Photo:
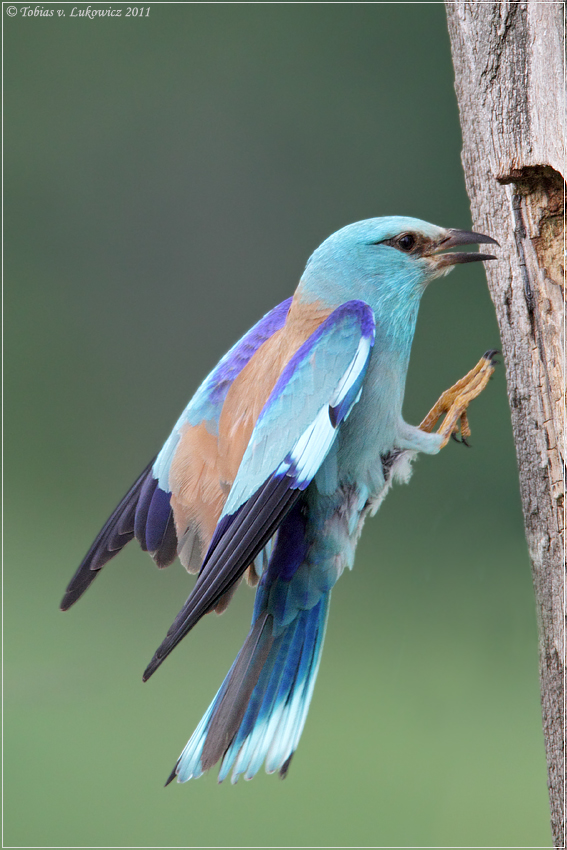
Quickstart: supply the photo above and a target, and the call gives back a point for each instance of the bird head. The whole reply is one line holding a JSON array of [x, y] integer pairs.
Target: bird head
[[386, 262]]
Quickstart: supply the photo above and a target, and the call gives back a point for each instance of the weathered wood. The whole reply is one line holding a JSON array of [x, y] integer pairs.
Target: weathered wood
[[509, 69]]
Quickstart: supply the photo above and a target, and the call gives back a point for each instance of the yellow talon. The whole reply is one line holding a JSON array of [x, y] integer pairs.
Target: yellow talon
[[454, 401]]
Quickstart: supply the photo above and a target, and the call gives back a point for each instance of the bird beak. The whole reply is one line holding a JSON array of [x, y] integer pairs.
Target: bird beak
[[460, 237]]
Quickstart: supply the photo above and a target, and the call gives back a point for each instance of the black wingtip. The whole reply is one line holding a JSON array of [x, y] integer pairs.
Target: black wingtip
[[151, 668], [80, 582], [117, 531], [172, 775], [72, 596]]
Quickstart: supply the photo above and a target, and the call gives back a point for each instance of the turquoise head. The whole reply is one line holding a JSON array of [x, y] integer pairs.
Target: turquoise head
[[386, 262]]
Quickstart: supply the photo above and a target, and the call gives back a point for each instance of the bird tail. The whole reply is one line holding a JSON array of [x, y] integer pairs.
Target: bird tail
[[260, 710]]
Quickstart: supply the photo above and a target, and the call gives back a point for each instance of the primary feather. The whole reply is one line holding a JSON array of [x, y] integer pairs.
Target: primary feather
[[286, 447]]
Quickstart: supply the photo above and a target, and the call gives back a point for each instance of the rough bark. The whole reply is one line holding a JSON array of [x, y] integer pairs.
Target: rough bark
[[509, 69]]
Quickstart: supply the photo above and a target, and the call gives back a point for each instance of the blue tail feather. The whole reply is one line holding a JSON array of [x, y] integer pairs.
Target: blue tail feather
[[283, 668], [283, 681]]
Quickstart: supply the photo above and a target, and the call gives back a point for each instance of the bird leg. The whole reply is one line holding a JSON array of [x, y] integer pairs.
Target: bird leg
[[454, 401]]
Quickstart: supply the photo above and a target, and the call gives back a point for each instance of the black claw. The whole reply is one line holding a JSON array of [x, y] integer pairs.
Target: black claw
[[462, 441], [489, 355]]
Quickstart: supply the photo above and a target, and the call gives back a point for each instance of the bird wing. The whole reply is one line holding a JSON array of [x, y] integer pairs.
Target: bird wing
[[189, 466], [291, 438], [148, 509]]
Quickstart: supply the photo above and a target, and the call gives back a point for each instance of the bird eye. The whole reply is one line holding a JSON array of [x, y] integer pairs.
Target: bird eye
[[406, 241]]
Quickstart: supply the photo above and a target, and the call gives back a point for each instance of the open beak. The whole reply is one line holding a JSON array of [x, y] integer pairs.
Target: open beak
[[460, 237]]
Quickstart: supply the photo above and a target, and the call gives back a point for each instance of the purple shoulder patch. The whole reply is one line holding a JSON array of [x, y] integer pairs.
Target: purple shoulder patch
[[357, 310], [365, 316], [239, 355]]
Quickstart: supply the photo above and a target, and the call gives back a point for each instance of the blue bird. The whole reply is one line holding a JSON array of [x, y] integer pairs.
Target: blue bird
[[272, 468]]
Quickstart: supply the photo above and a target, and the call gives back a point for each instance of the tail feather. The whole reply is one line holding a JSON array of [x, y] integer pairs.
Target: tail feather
[[288, 732], [254, 735], [260, 710], [233, 702]]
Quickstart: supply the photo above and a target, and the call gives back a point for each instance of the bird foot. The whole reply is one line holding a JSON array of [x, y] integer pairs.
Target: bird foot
[[456, 399]]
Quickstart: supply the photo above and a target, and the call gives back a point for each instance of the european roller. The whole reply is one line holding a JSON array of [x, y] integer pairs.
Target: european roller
[[272, 468]]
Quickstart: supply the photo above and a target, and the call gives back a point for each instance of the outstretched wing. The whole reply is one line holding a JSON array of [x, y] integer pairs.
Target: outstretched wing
[[149, 511], [291, 438]]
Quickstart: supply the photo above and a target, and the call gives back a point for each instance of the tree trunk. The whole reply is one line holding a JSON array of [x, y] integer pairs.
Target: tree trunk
[[509, 69]]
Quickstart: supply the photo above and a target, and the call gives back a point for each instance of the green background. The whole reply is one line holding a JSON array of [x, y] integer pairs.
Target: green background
[[166, 179]]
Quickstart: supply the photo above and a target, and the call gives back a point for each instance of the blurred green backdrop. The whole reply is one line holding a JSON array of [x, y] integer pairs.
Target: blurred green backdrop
[[166, 179]]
